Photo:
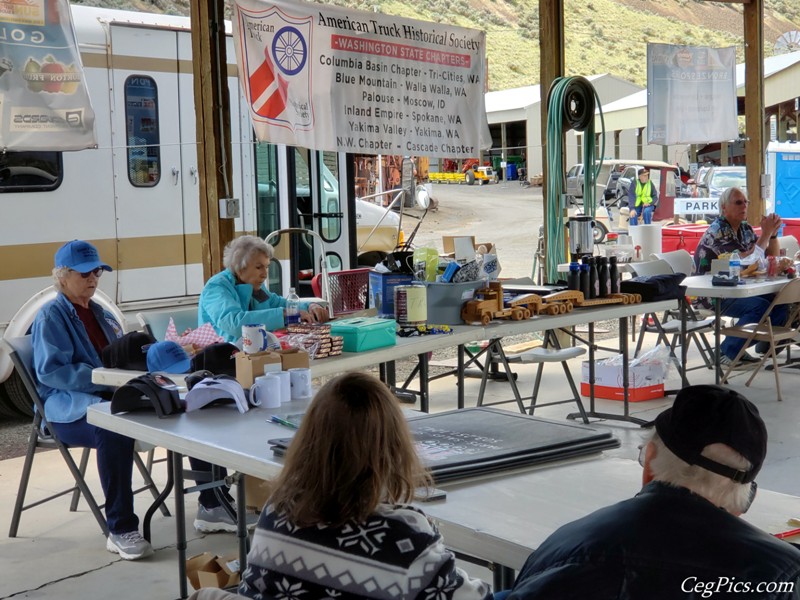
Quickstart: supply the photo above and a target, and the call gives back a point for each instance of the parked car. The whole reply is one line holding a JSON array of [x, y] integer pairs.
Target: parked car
[[722, 178], [574, 188], [698, 181]]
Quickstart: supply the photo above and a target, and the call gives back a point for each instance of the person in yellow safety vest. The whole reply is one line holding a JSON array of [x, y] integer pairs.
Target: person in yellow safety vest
[[642, 198]]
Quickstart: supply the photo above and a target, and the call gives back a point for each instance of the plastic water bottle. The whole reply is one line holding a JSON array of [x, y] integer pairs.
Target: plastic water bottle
[[734, 264], [292, 307]]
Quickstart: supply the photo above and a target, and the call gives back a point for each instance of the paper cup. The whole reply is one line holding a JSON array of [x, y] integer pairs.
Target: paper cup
[[301, 383], [266, 391]]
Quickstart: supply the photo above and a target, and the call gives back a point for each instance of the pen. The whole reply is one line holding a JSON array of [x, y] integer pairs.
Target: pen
[[786, 534], [284, 422]]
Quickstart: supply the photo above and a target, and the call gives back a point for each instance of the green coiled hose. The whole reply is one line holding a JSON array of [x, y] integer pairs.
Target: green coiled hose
[[571, 105]]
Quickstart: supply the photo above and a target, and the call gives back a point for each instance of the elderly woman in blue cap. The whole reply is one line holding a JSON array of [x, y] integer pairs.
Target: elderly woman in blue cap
[[68, 337]]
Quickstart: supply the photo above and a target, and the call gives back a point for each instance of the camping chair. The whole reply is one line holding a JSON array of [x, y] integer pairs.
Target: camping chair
[[42, 437], [155, 322], [778, 336]]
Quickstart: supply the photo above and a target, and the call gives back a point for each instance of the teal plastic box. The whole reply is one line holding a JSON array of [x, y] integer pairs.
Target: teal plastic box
[[381, 291], [365, 333]]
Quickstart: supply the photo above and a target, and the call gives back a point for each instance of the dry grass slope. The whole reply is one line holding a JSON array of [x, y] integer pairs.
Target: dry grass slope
[[602, 36]]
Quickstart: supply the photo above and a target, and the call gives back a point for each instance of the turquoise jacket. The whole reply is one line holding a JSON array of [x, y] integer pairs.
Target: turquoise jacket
[[63, 359], [228, 305]]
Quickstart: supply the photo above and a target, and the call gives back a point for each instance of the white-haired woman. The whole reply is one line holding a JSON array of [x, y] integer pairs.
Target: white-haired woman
[[68, 337], [238, 295]]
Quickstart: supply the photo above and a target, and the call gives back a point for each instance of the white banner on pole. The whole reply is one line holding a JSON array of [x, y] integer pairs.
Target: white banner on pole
[[691, 94], [330, 78], [44, 104]]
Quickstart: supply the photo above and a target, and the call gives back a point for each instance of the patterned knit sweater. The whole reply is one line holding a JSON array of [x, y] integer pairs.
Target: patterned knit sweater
[[397, 553]]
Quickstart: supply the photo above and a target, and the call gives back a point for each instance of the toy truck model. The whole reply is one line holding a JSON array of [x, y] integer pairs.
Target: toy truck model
[[488, 305]]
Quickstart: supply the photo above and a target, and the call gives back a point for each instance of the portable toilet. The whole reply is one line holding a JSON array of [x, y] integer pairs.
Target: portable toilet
[[783, 167]]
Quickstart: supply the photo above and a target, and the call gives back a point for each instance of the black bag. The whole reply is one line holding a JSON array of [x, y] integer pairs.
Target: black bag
[[148, 392], [656, 287], [128, 352]]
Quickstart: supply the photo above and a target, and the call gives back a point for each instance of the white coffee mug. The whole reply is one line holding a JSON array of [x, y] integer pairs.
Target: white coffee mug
[[286, 385], [254, 338], [273, 367], [266, 391], [301, 383]]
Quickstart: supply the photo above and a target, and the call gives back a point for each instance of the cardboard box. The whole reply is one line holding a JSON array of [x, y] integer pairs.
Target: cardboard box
[[250, 366], [381, 291], [645, 382], [256, 491], [294, 358], [449, 244], [208, 570]]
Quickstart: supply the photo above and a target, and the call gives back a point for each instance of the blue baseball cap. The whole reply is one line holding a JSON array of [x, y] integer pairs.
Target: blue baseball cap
[[167, 357], [79, 256]]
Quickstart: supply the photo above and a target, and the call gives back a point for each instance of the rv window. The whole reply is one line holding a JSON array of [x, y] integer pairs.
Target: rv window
[[331, 227], [141, 127], [30, 171]]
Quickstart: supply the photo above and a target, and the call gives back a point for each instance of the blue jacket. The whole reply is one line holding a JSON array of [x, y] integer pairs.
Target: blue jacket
[[658, 545], [228, 305], [63, 359]]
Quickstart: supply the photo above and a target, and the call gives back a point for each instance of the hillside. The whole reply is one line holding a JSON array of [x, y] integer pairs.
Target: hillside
[[602, 36]]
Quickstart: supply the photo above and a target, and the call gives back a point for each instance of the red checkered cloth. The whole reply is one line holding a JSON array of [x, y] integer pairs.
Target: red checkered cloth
[[199, 338]]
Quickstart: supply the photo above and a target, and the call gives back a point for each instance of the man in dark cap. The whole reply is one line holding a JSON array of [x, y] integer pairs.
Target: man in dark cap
[[642, 198], [681, 535]]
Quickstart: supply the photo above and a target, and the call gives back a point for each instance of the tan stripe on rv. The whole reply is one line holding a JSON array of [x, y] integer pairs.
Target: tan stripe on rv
[[143, 65], [36, 260]]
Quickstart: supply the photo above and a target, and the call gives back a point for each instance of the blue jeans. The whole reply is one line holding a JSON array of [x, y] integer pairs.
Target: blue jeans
[[749, 310], [646, 213], [114, 465]]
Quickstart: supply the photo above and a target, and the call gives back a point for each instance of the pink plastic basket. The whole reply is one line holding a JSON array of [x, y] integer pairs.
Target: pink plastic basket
[[349, 290]]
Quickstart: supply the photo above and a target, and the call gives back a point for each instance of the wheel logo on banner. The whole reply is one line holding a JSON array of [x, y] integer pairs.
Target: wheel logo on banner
[[289, 50]]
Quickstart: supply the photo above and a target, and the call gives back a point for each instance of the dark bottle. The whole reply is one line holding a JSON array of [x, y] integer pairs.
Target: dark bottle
[[613, 275], [594, 282], [585, 287], [602, 276], [574, 280]]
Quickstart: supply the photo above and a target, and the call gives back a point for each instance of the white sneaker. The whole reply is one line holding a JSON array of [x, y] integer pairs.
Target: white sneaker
[[130, 545]]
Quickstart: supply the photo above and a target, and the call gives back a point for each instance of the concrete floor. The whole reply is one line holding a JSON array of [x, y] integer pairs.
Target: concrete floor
[[59, 554]]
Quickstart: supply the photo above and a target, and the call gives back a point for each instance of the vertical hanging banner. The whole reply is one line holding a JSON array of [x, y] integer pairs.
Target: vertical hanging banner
[[691, 94], [44, 104], [330, 78]]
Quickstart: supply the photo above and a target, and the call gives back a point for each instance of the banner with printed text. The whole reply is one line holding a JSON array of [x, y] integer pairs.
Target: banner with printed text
[[44, 104], [330, 78], [691, 94]]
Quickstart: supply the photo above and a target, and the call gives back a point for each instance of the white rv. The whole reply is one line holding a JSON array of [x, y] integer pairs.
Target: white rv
[[136, 195]]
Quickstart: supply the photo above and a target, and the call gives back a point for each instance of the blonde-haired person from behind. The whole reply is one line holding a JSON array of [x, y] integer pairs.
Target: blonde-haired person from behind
[[339, 523]]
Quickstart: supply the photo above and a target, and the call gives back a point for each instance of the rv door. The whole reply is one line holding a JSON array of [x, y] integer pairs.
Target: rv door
[[146, 140]]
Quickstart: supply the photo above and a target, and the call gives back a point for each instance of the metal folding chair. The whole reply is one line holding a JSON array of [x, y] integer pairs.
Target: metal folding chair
[[42, 437], [778, 336]]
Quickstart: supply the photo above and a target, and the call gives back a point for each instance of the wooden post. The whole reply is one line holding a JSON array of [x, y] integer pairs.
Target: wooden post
[[213, 116], [551, 59], [754, 105]]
